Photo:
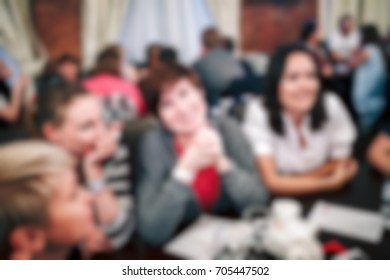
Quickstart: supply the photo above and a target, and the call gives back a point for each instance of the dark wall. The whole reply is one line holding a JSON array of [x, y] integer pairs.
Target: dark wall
[[267, 23], [264, 23], [58, 25]]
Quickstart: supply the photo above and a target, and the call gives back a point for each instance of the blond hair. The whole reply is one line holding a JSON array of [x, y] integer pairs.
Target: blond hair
[[24, 190]]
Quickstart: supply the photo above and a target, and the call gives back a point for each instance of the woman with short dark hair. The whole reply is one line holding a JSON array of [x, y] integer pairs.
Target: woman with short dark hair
[[190, 164], [302, 136]]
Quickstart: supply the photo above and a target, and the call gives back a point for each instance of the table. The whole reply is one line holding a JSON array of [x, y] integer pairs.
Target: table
[[363, 192]]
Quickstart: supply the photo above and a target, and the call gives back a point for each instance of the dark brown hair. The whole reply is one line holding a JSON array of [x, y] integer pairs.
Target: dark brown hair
[[49, 106], [271, 95], [109, 60], [166, 76], [211, 38]]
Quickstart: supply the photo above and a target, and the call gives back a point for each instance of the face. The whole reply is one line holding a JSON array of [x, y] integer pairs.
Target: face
[[299, 84], [70, 211], [81, 128], [182, 108], [69, 71], [346, 25]]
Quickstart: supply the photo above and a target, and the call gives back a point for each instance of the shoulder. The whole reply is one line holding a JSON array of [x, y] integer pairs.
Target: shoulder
[[153, 138], [332, 103], [256, 110], [227, 125]]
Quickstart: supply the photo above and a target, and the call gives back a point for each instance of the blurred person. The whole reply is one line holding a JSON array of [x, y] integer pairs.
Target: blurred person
[[122, 98], [44, 212], [344, 43], [153, 61], [10, 99], [68, 67], [311, 37], [302, 137], [228, 44], [379, 150], [168, 56], [9, 60], [73, 119], [64, 69], [190, 164], [369, 81], [217, 68]]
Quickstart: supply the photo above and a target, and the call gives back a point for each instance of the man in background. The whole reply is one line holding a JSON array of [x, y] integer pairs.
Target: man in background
[[217, 68], [344, 43]]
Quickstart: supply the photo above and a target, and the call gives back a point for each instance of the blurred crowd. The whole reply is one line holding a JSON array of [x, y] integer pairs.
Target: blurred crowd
[[99, 156]]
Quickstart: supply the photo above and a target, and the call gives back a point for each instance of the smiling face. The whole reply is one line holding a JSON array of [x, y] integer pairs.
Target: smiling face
[[299, 85], [182, 107]]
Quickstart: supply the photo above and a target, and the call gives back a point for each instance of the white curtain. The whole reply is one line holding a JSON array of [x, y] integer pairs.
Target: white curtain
[[102, 21], [377, 12], [178, 23], [18, 38], [364, 11], [227, 15]]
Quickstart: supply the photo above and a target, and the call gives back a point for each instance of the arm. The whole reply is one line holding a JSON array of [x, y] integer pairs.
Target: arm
[[325, 169], [161, 198], [11, 111], [359, 57], [379, 153], [294, 184], [242, 182]]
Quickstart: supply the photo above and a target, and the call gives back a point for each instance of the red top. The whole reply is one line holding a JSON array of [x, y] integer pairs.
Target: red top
[[104, 85], [206, 184]]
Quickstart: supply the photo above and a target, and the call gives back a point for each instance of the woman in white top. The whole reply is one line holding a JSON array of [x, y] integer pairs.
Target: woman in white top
[[301, 136]]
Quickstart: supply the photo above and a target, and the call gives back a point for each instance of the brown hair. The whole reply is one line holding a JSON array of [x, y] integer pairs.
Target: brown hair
[[49, 106], [24, 190], [211, 38], [165, 77], [108, 61]]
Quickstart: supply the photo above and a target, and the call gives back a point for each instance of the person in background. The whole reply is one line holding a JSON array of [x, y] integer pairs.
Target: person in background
[[379, 151], [369, 81], [190, 164], [302, 137], [44, 212], [344, 43], [9, 60], [167, 56], [11, 100], [73, 119], [68, 68], [153, 61], [122, 98], [311, 38], [217, 68], [64, 69]]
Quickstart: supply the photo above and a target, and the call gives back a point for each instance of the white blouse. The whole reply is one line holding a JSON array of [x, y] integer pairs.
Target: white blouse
[[333, 140]]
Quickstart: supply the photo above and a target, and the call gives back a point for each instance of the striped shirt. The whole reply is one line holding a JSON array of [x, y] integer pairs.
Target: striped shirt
[[117, 172]]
